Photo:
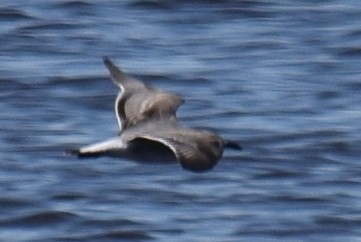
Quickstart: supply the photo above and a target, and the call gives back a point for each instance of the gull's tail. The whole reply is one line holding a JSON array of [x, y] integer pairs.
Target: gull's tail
[[231, 144]]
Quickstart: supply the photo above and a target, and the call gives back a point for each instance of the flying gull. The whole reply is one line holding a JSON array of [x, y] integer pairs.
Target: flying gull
[[150, 131]]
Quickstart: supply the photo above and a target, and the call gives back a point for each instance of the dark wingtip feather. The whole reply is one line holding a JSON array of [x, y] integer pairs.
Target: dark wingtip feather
[[106, 60], [72, 152], [78, 154]]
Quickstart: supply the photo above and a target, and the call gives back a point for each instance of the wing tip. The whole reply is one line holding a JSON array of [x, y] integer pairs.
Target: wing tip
[[107, 60], [79, 154], [72, 152], [116, 74]]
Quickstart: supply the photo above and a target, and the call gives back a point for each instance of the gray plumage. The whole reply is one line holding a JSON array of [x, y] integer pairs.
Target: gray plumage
[[150, 131]]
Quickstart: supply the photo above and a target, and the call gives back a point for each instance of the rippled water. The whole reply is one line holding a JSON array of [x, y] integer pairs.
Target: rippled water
[[281, 77]]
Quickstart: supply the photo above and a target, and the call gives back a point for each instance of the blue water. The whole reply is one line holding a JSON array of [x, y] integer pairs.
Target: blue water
[[281, 77]]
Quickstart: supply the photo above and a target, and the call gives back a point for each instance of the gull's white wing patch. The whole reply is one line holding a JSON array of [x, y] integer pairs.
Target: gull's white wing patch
[[102, 148], [119, 116]]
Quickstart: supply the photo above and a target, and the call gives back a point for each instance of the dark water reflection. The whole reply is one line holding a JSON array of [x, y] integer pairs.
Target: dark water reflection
[[283, 78]]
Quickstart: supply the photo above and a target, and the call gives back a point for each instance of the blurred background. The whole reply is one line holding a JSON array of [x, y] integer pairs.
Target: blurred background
[[281, 77]]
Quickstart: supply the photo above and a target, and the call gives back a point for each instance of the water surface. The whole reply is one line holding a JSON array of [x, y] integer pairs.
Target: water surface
[[281, 78]]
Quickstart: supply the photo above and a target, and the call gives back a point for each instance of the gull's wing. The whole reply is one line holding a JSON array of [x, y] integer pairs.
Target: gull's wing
[[137, 102], [195, 150], [146, 105], [122, 80]]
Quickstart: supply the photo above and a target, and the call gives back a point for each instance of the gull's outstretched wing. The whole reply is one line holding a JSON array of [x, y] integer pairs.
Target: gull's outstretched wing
[[147, 105], [137, 102]]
